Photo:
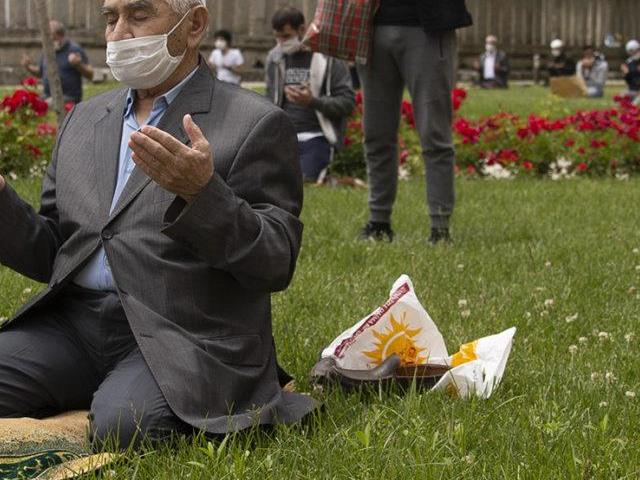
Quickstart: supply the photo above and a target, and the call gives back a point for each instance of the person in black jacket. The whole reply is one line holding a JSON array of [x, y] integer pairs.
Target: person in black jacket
[[493, 66], [631, 69], [414, 46], [560, 65]]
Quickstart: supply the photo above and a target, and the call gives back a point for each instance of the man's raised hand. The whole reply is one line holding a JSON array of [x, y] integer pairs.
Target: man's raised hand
[[174, 166]]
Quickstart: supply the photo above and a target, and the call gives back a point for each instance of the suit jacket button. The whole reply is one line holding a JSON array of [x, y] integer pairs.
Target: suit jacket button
[[107, 235]]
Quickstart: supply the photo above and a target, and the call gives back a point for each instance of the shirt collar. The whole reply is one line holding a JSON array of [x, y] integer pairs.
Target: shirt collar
[[165, 99]]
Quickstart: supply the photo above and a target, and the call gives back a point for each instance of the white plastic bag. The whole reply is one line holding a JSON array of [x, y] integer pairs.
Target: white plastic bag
[[403, 327], [478, 367]]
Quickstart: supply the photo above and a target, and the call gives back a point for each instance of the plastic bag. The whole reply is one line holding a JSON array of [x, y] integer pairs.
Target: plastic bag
[[403, 328], [343, 29]]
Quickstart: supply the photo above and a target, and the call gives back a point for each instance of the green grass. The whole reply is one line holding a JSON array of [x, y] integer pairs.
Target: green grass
[[523, 100], [546, 419]]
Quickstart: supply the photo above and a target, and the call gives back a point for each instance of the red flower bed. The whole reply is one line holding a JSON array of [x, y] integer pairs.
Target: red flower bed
[[586, 142], [26, 135], [598, 142]]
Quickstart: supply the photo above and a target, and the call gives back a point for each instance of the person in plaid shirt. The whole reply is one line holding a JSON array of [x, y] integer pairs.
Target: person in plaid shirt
[[414, 45]]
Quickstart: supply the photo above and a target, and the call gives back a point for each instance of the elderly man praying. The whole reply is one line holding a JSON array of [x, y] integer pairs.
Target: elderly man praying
[[169, 214]]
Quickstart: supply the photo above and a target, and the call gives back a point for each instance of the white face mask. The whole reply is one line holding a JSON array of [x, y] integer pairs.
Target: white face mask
[[291, 45], [221, 44], [145, 62]]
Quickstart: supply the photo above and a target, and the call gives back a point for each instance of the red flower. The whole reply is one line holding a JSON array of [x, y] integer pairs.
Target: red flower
[[569, 143], [407, 113], [347, 141], [44, 129], [527, 165], [40, 107], [582, 167], [29, 82], [35, 151], [598, 143], [69, 106], [471, 169], [359, 97], [508, 156], [458, 96], [404, 155]]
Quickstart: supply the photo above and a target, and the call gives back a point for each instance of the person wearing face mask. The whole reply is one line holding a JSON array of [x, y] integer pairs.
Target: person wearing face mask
[[73, 65], [493, 66], [226, 61], [314, 90], [168, 216], [631, 70], [594, 70], [560, 64]]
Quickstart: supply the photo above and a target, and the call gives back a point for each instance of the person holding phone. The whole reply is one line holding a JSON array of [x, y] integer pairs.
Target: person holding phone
[[314, 90]]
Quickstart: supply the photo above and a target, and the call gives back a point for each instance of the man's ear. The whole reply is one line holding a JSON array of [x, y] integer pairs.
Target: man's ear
[[199, 25]]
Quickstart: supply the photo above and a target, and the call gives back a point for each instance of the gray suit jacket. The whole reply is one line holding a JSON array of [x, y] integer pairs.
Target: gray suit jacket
[[194, 280]]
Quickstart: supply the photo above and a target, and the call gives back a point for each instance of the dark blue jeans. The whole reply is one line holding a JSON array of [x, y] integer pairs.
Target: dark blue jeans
[[315, 155]]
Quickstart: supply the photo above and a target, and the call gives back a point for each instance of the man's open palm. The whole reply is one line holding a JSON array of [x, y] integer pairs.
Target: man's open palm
[[173, 165]]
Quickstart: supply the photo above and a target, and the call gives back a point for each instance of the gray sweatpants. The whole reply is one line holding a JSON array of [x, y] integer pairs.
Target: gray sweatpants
[[424, 63], [80, 354]]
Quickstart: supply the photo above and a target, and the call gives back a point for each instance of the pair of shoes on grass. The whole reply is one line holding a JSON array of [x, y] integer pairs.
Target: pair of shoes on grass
[[382, 232]]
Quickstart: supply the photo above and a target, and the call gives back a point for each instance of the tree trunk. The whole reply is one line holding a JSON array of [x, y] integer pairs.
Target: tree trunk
[[53, 75]]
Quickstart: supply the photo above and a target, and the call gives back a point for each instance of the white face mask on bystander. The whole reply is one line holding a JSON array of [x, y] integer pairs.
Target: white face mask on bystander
[[144, 62], [291, 45]]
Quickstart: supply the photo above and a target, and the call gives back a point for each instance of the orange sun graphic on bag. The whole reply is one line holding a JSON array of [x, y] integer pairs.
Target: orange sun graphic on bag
[[399, 339]]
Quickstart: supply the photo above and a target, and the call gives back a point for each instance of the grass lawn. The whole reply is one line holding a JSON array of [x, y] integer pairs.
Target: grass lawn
[[524, 100], [547, 420], [518, 243]]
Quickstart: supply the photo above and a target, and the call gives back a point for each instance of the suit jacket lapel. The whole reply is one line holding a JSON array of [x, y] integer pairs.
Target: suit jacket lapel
[[107, 134], [195, 97]]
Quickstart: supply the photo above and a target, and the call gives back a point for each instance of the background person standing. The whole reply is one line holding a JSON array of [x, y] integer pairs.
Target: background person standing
[[314, 90], [226, 61], [414, 46], [73, 64]]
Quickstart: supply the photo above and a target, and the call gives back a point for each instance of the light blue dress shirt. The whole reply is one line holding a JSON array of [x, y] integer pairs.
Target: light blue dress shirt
[[96, 275]]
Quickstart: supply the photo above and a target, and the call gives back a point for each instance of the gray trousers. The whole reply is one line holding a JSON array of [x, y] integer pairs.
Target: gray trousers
[[80, 354], [424, 63]]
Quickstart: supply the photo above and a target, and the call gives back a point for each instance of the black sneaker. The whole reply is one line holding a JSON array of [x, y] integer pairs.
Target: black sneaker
[[440, 235], [377, 231]]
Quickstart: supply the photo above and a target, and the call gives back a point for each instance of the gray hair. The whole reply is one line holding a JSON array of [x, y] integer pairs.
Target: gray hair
[[56, 27], [182, 6]]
